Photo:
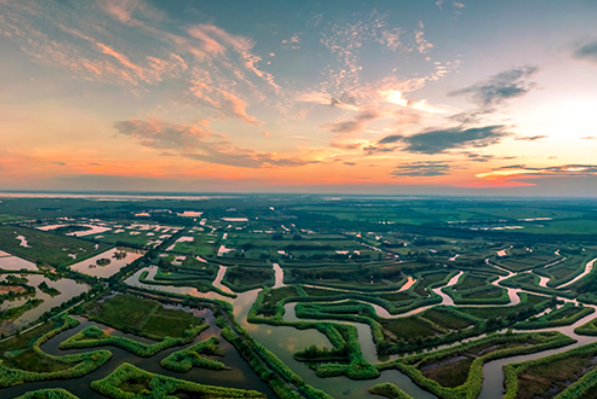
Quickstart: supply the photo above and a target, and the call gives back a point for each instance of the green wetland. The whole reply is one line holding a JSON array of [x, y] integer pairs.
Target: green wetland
[[299, 297]]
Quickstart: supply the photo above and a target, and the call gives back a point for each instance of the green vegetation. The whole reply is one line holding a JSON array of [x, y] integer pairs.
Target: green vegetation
[[389, 390], [93, 337], [550, 376], [530, 282], [426, 281], [140, 316], [526, 260], [51, 393], [23, 360], [271, 298], [201, 280], [564, 271], [347, 261], [269, 368], [458, 372], [529, 305], [590, 328], [70, 229], [47, 289], [130, 382], [10, 218], [185, 359], [9, 290], [47, 248], [486, 295], [241, 279], [18, 311], [564, 316]]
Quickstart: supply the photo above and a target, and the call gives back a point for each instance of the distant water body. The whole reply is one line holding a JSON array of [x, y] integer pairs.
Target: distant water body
[[114, 196]]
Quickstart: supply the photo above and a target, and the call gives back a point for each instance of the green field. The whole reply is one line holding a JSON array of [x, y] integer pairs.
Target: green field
[[144, 317], [46, 248]]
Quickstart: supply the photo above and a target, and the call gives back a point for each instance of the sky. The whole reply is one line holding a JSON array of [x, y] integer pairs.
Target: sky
[[394, 97]]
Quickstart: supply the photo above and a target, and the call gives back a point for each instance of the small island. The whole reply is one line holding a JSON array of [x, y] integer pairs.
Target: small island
[[46, 289], [70, 229], [118, 255], [103, 261]]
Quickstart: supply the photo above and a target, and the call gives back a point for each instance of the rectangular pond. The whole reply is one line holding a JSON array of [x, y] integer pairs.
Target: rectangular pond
[[115, 259], [68, 288]]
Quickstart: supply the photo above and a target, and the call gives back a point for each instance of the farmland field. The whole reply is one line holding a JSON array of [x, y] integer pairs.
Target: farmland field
[[334, 298]]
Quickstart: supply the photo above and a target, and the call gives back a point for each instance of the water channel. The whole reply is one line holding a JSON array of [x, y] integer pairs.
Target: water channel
[[240, 376], [281, 340], [284, 340]]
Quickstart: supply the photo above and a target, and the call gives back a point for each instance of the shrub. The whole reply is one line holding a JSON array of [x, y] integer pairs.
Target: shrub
[[184, 360], [82, 363], [93, 337]]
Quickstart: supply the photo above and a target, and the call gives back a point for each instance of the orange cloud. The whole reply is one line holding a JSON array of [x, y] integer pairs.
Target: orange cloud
[[520, 171]]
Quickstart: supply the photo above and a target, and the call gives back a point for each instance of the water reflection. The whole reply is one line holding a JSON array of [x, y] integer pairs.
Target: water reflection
[[119, 257], [68, 288], [283, 341]]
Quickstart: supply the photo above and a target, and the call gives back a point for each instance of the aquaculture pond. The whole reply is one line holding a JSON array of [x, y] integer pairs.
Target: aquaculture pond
[[240, 374], [67, 289], [116, 258], [14, 263], [284, 341]]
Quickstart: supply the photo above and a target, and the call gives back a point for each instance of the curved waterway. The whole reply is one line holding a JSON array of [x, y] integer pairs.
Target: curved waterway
[[240, 376], [588, 268], [283, 341]]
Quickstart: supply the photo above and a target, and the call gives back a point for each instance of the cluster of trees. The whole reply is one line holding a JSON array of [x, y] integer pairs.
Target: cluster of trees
[[557, 318], [97, 289], [27, 290], [160, 386], [50, 393], [93, 336], [244, 278], [474, 382], [314, 353], [13, 313], [281, 379], [12, 279], [44, 287], [491, 323], [184, 360], [582, 386], [389, 390], [78, 365]]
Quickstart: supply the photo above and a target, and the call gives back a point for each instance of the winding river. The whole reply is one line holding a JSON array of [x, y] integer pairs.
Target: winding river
[[284, 340]]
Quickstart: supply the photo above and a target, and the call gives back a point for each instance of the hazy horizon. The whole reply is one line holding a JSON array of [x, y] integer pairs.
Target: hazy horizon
[[416, 97]]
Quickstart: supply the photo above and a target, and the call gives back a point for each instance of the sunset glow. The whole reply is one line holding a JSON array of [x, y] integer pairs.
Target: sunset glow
[[410, 97]]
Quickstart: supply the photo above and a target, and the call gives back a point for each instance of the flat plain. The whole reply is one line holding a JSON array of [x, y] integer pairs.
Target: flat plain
[[298, 297]]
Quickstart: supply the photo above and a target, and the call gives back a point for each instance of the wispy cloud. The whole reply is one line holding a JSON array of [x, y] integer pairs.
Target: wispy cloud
[[499, 88], [422, 169], [531, 138], [423, 46], [346, 38], [474, 157], [587, 51], [139, 48], [518, 171], [124, 10], [356, 124], [200, 143], [293, 43], [326, 99]]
